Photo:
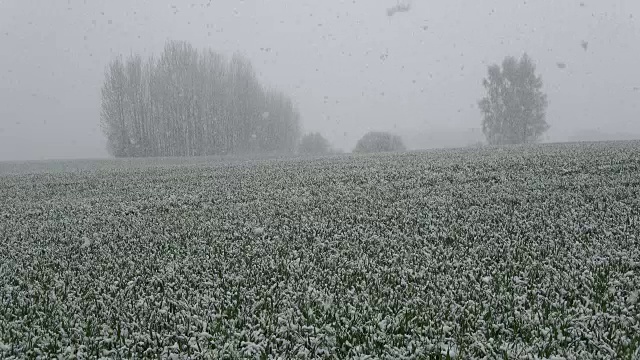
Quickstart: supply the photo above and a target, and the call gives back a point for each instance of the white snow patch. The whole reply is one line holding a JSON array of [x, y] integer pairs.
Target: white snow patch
[[86, 242]]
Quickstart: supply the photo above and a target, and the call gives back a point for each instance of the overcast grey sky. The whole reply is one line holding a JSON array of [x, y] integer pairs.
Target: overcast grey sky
[[348, 66]]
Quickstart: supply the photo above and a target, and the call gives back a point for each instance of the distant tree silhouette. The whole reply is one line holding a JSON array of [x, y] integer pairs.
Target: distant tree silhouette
[[398, 8], [187, 103], [514, 109], [314, 144], [379, 142]]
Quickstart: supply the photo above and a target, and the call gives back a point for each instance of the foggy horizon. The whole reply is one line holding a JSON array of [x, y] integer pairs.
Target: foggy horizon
[[349, 66]]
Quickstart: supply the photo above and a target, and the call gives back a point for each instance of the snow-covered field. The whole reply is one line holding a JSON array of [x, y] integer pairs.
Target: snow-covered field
[[519, 253]]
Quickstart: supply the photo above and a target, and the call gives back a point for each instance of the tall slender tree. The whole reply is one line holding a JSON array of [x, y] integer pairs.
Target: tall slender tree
[[113, 112]]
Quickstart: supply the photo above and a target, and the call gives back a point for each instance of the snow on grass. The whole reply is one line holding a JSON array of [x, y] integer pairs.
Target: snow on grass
[[526, 253]]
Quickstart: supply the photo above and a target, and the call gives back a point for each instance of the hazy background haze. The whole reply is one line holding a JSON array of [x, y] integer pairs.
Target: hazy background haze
[[349, 66]]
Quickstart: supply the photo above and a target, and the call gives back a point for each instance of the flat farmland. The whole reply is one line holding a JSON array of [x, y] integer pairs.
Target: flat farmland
[[526, 252]]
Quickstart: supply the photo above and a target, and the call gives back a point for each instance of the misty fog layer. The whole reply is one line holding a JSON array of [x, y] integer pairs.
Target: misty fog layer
[[350, 66]]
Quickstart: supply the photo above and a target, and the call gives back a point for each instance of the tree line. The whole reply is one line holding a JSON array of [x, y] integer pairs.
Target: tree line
[[188, 103]]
